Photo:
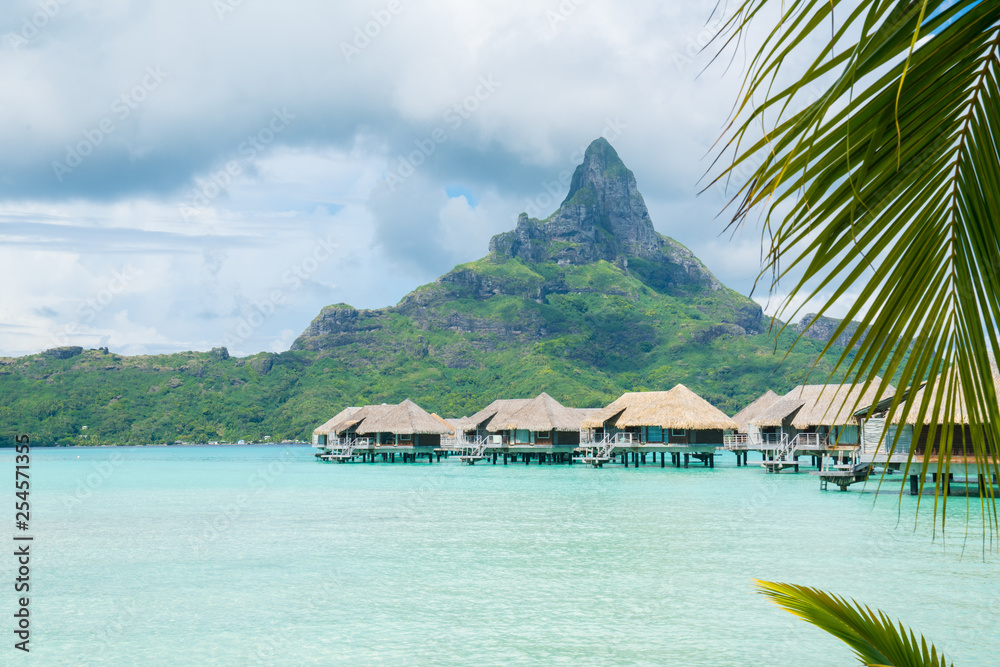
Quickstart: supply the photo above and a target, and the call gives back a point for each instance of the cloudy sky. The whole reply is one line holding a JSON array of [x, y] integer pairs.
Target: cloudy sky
[[183, 174]]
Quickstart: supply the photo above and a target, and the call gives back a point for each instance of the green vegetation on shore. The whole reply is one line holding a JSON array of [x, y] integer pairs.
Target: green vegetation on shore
[[203, 397]]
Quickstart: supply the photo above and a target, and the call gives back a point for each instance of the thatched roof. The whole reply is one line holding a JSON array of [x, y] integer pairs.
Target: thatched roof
[[457, 423], [960, 413], [754, 410], [444, 422], [678, 408], [542, 413], [341, 421], [405, 418], [497, 412], [818, 405]]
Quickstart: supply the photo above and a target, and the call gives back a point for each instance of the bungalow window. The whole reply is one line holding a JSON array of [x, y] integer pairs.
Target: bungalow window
[[678, 432], [405, 437], [544, 435]]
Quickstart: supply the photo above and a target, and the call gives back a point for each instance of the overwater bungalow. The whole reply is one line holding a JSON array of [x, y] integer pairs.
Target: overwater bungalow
[[744, 417], [404, 424], [363, 432], [914, 433], [910, 434], [748, 437], [540, 421], [483, 424], [337, 426], [675, 417], [820, 416], [815, 419]]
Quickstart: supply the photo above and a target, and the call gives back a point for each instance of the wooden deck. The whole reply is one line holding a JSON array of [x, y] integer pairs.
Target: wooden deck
[[590, 453]]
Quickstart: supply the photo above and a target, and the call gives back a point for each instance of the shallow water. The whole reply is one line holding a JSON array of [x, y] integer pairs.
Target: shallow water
[[260, 555]]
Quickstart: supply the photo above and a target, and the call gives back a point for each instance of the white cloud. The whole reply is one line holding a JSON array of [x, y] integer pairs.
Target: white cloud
[[555, 86]]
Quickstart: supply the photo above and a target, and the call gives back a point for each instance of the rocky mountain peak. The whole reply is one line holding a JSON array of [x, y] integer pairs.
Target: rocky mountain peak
[[602, 217]]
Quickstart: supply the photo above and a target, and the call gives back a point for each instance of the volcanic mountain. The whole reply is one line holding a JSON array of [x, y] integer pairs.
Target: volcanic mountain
[[586, 304], [594, 278]]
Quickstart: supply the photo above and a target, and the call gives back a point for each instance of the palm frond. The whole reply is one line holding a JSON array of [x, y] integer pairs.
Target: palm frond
[[877, 172], [875, 639]]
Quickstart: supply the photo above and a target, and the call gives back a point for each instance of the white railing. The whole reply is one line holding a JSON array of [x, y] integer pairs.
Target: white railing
[[750, 440], [599, 452], [340, 443], [853, 462], [736, 440], [783, 447], [340, 451], [609, 442], [813, 440], [614, 439], [471, 451]]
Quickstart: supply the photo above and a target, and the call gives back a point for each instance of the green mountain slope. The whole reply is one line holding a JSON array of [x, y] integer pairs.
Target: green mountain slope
[[584, 305]]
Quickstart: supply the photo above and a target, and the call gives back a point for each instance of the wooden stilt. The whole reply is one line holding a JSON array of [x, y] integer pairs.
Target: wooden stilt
[[687, 459]]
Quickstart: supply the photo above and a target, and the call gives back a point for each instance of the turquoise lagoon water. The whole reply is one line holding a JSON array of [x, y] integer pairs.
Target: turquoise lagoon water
[[260, 555]]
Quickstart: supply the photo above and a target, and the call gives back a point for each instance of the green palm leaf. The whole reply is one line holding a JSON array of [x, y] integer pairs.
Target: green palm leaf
[[875, 165], [873, 636]]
